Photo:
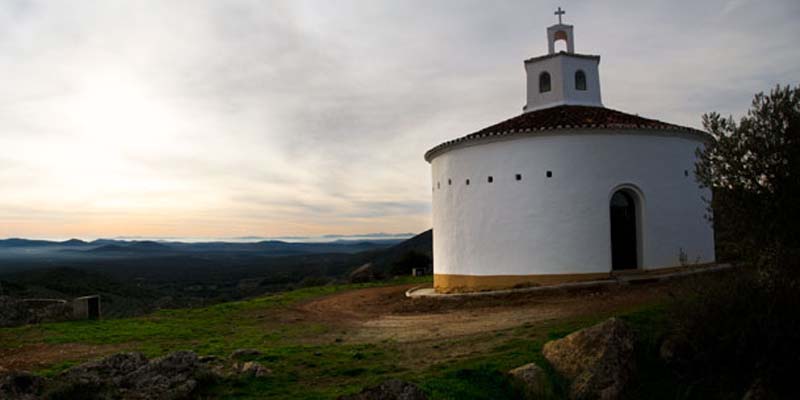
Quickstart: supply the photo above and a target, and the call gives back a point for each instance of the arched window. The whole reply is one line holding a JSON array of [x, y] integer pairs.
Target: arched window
[[580, 80], [544, 82]]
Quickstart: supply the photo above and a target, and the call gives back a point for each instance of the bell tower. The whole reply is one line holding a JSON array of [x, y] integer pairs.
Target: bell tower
[[560, 31], [564, 77]]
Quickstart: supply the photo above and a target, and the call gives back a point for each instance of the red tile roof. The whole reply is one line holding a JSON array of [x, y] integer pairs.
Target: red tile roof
[[562, 53], [566, 117]]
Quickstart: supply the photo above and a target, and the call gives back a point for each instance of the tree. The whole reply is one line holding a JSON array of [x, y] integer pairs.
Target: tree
[[753, 169], [742, 328]]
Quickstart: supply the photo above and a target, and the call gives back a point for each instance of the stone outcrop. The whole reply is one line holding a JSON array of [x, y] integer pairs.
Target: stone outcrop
[[20, 386], [174, 376], [532, 380], [392, 389], [599, 360], [131, 376], [107, 371]]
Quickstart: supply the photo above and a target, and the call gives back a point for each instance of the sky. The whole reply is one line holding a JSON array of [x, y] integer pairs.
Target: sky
[[274, 118]]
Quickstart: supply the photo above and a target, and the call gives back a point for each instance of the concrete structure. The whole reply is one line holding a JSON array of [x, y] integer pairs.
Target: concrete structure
[[567, 191], [86, 307]]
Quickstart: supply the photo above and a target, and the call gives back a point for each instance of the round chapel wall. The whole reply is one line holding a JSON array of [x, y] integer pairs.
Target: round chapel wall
[[536, 209]]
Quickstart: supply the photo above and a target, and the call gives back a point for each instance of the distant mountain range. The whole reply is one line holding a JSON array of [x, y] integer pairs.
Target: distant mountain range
[[135, 276], [236, 239], [26, 248]]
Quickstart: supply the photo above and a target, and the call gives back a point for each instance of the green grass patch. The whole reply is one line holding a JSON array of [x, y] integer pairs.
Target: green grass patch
[[215, 329]]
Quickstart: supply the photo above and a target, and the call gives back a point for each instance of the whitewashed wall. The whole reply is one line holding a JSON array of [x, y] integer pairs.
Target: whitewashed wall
[[560, 225]]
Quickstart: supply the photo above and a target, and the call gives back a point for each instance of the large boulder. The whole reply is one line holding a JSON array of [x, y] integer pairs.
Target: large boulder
[[532, 380], [599, 360], [20, 386], [393, 389]]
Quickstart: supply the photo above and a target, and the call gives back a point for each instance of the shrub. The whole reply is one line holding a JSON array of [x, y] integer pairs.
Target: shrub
[[738, 328]]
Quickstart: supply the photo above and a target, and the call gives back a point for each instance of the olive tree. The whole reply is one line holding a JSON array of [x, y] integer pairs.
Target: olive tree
[[753, 169]]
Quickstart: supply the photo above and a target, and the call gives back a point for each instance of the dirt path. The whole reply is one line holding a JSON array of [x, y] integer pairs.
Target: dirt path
[[385, 313]]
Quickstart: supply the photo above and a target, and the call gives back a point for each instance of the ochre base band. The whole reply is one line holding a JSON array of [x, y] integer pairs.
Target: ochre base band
[[447, 283]]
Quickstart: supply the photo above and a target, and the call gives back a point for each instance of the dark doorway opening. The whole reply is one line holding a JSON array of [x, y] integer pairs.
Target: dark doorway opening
[[623, 231], [93, 304]]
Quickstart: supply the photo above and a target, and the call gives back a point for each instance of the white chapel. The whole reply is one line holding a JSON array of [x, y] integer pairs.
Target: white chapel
[[568, 191]]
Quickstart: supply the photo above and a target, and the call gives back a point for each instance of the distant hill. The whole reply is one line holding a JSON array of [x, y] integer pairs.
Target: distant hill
[[25, 250], [138, 276], [422, 243], [15, 242]]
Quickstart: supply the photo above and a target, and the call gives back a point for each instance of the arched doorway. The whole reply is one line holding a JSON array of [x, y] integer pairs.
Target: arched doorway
[[624, 254]]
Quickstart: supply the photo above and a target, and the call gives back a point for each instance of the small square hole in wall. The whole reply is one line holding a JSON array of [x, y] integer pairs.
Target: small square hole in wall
[[449, 182], [686, 172], [549, 174], [519, 177], [490, 180], [467, 182]]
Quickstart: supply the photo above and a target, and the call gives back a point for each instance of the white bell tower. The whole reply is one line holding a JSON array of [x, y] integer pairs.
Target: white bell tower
[[563, 78]]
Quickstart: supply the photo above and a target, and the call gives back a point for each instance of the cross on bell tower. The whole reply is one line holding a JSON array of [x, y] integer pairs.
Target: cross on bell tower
[[560, 31], [559, 12]]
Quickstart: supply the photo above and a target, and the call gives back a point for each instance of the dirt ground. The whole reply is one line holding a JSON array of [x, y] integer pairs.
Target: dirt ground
[[381, 313], [385, 313], [42, 355]]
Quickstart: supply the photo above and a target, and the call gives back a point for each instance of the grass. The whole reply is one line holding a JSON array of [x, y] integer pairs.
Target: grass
[[305, 367], [216, 329]]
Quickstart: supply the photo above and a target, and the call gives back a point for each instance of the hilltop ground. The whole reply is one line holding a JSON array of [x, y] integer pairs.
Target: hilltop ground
[[325, 341]]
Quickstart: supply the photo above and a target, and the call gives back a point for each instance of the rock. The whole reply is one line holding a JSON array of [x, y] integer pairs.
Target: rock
[[20, 386], [532, 379], [253, 368], [393, 389], [364, 273], [107, 371], [209, 359], [675, 350], [599, 360], [757, 391], [174, 376], [131, 376], [13, 312], [242, 353]]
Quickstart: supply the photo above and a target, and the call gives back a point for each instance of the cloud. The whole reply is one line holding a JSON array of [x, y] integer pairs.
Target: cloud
[[226, 118]]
